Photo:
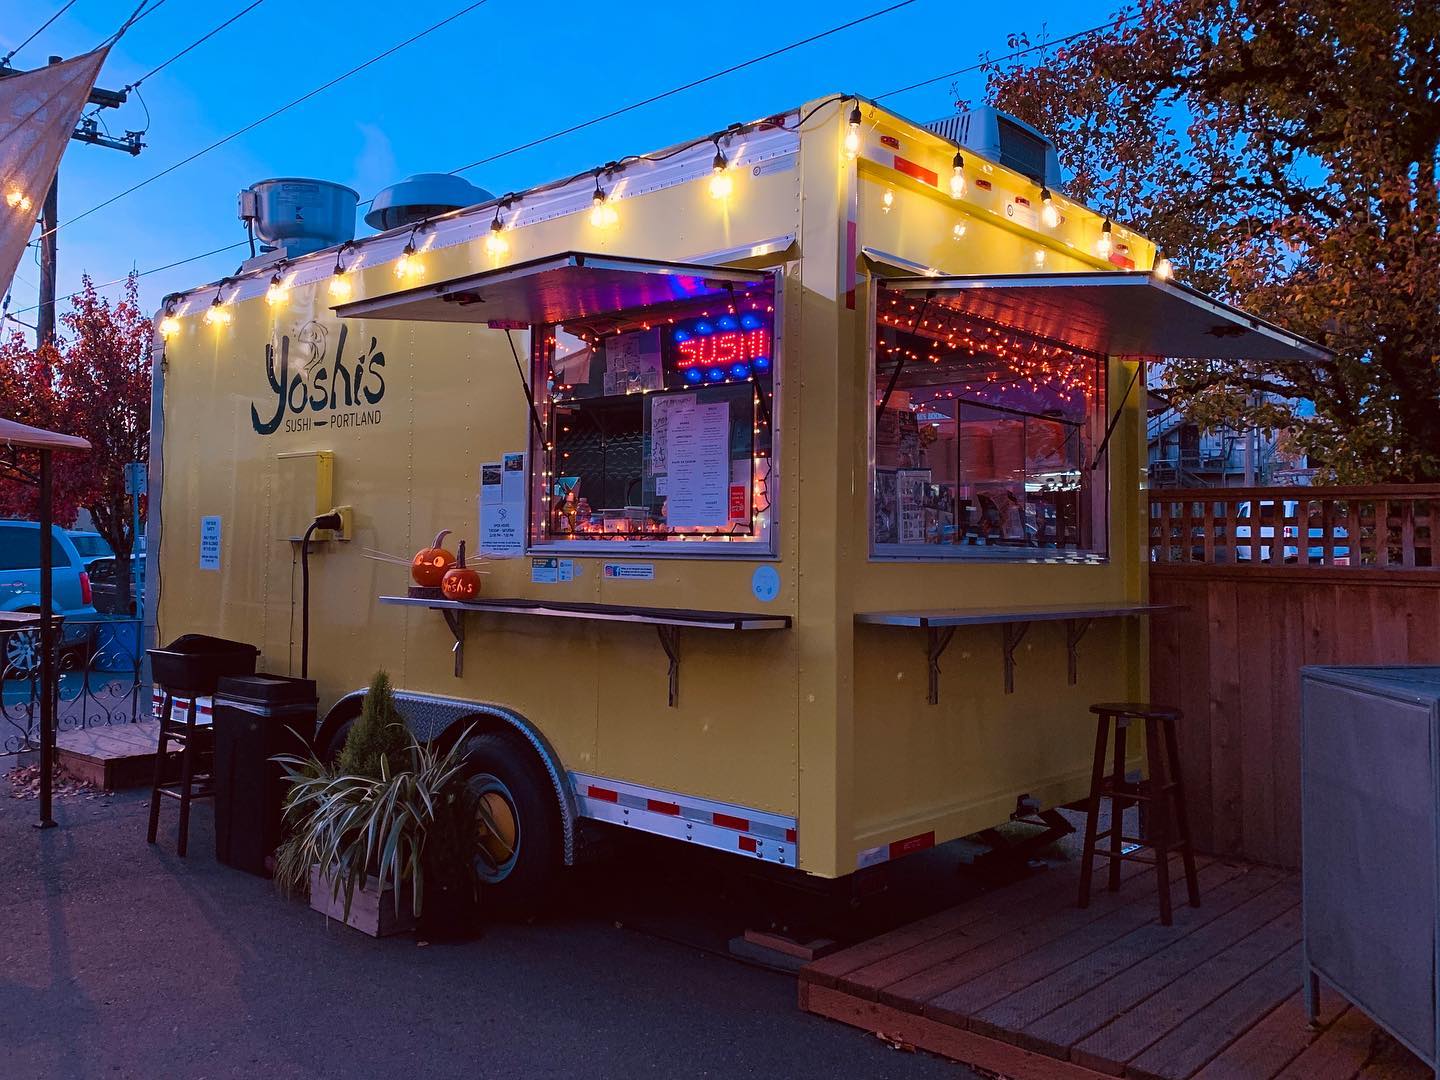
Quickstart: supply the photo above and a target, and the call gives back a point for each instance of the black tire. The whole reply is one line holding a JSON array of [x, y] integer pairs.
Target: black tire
[[334, 743], [501, 767]]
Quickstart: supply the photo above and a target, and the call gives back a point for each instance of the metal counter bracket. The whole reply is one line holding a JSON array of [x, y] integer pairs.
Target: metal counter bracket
[[670, 642], [1074, 631], [937, 640], [1014, 634], [456, 621]]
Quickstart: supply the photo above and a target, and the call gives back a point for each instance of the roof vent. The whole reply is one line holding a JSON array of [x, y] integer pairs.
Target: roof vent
[[422, 196], [1003, 138], [295, 216]]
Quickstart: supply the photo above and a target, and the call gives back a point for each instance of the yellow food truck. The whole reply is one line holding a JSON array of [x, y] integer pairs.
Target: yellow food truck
[[806, 461]]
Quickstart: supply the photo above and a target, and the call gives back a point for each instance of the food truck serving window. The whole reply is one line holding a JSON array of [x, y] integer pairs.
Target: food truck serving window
[[657, 424], [984, 437]]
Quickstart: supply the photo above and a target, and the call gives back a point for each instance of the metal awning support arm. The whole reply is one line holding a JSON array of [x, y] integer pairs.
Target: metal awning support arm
[[1115, 417], [529, 395]]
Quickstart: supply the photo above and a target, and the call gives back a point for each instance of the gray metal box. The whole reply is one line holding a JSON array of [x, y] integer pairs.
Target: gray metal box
[[1370, 797]]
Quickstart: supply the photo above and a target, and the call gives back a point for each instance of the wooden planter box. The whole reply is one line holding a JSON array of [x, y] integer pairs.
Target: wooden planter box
[[371, 911]]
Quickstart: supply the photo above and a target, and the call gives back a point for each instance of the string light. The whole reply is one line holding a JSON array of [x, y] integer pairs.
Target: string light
[[721, 183], [1049, 213], [957, 178], [1039, 256], [852, 136], [216, 314], [1163, 269], [339, 283], [277, 291], [495, 242], [959, 231], [602, 214], [1105, 244], [887, 200], [17, 200], [169, 325], [410, 264]]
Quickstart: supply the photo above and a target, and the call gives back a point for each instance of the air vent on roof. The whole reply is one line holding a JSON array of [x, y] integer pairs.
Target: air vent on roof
[[1004, 139], [422, 196]]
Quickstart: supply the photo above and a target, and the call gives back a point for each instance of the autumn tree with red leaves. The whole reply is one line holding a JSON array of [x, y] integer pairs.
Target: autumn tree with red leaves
[[1284, 152], [93, 382]]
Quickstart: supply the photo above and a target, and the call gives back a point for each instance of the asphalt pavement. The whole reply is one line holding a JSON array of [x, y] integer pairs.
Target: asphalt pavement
[[120, 960]]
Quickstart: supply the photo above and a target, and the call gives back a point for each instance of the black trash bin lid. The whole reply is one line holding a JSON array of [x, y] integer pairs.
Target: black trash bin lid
[[198, 644], [263, 689]]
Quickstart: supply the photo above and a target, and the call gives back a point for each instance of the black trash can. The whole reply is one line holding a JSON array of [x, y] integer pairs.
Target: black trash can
[[256, 717]]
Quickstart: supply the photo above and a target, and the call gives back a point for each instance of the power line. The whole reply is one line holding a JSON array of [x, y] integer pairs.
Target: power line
[[681, 89], [271, 115], [1001, 59], [5, 61], [144, 273]]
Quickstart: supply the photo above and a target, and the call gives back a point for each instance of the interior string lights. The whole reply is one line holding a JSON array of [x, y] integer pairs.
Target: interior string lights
[[721, 182]]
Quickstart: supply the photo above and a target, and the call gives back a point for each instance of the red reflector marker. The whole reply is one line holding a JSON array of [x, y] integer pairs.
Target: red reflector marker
[[912, 844], [919, 172], [728, 822], [790, 835], [747, 843], [603, 794], [662, 807]]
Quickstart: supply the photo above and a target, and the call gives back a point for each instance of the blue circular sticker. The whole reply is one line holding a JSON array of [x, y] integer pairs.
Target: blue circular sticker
[[766, 583]]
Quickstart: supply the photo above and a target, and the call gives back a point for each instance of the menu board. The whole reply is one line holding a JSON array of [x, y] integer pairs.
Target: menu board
[[697, 459], [910, 492]]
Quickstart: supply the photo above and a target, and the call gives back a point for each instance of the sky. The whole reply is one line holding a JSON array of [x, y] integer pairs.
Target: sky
[[487, 82]]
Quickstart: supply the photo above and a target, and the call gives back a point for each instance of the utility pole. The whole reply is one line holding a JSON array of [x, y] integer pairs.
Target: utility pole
[[87, 129]]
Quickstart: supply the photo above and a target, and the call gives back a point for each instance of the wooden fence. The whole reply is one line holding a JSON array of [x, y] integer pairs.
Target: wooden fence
[[1255, 612]]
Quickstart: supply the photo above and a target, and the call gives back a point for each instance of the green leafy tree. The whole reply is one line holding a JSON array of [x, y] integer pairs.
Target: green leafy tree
[[1284, 153], [376, 744]]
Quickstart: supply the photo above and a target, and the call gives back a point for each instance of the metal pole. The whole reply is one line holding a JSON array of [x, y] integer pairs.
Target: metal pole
[[47, 647], [49, 219]]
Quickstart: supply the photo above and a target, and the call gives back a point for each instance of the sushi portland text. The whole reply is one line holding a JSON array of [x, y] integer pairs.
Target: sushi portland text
[[347, 390]]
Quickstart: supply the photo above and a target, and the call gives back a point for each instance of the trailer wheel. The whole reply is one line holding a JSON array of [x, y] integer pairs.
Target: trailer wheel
[[516, 820]]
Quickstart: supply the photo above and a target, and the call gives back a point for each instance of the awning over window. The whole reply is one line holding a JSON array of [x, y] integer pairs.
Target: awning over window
[[555, 290], [1116, 314]]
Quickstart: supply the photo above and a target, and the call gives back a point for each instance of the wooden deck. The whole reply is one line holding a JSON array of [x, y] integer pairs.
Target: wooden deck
[[1024, 984], [111, 757]]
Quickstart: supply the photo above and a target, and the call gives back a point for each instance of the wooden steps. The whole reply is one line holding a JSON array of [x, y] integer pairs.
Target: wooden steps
[[1025, 984], [112, 757]]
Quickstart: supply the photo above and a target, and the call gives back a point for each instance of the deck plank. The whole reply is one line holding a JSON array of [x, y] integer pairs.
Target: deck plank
[[1339, 1053], [1204, 1035], [1131, 1033], [1057, 1031], [1037, 890], [1008, 1017], [1020, 926], [1275, 1041], [969, 997]]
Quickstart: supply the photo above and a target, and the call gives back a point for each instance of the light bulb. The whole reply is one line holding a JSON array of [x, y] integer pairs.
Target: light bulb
[[1163, 269], [852, 137], [215, 314], [17, 200], [957, 178], [409, 264], [1048, 212], [1039, 256], [959, 231], [339, 285], [721, 183], [887, 200], [602, 214], [495, 243], [276, 292], [169, 326], [1104, 245]]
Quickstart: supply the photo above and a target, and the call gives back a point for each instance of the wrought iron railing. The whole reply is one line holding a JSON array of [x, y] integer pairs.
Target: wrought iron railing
[[1384, 527], [100, 665]]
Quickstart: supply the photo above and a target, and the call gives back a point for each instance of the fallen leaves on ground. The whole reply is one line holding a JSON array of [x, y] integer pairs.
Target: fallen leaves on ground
[[25, 784]]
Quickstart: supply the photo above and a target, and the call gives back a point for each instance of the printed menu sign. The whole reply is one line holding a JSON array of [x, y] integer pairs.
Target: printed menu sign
[[502, 507], [697, 455]]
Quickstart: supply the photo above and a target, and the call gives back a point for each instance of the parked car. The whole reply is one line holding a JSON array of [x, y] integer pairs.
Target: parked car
[[91, 546], [1290, 551], [20, 591], [106, 586]]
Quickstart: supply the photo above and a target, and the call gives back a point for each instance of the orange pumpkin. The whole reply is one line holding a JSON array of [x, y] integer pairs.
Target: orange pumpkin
[[460, 582], [429, 565]]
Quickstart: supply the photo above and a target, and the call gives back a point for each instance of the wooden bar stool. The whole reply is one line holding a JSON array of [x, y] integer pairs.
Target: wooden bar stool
[[197, 752], [1167, 827]]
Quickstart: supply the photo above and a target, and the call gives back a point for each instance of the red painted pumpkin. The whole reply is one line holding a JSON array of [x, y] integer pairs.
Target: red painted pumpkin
[[429, 565], [460, 582]]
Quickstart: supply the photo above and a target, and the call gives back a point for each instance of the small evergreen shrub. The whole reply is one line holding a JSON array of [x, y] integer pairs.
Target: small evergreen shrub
[[377, 743]]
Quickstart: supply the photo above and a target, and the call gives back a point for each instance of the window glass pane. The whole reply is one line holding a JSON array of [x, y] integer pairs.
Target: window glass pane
[[983, 437], [20, 549], [656, 423]]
